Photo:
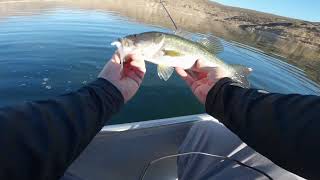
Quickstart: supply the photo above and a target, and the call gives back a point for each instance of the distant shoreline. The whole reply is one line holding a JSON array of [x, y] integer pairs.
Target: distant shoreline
[[298, 41]]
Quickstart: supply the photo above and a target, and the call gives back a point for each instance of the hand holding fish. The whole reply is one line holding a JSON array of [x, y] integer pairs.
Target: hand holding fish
[[201, 79], [170, 51], [129, 79]]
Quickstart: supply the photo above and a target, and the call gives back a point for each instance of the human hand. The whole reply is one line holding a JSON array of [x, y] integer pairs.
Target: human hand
[[202, 78], [129, 80]]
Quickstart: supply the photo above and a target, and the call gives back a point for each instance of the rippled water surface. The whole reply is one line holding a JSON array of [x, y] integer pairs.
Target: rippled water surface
[[59, 49]]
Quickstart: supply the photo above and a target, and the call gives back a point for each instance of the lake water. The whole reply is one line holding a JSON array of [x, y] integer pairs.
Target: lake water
[[59, 49]]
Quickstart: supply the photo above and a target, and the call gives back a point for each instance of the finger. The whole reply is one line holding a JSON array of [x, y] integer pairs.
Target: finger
[[132, 75], [181, 72], [196, 75], [136, 68], [212, 75], [129, 69], [185, 76], [140, 74], [137, 71], [202, 75], [195, 85], [111, 64], [202, 82], [202, 66], [193, 74], [137, 57], [219, 73], [139, 65], [116, 57]]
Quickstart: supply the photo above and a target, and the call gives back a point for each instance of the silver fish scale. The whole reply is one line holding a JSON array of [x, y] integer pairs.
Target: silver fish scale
[[188, 47]]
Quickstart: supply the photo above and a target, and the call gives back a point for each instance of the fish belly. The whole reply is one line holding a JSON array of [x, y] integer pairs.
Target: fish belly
[[185, 62]]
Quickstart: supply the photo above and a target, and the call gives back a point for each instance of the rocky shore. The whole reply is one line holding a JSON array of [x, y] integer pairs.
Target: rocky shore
[[296, 40]]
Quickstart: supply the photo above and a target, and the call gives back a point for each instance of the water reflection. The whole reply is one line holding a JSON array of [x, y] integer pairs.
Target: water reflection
[[50, 48]]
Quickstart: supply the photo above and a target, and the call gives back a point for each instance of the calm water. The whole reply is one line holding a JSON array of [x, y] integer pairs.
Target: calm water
[[60, 49]]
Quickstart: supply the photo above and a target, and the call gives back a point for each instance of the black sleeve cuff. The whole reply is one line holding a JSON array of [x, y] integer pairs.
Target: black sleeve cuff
[[213, 93], [109, 92]]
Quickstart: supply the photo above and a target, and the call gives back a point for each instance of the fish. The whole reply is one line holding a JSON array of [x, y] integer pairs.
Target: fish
[[169, 51]]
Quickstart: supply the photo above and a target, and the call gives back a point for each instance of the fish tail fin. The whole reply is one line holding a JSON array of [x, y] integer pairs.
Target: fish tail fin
[[241, 74]]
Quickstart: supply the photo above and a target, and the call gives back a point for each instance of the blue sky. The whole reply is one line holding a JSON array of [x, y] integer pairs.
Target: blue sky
[[299, 9]]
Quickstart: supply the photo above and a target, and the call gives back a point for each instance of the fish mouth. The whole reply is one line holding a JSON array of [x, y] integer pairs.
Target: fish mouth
[[116, 43]]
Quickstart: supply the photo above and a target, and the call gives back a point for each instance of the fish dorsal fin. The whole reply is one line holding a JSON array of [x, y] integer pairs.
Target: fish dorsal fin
[[164, 72], [183, 34], [212, 43]]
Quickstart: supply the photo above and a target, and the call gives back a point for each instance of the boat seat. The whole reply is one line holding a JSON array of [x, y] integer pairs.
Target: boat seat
[[70, 176]]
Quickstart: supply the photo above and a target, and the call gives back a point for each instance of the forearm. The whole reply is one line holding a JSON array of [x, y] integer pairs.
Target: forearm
[[39, 140], [283, 128]]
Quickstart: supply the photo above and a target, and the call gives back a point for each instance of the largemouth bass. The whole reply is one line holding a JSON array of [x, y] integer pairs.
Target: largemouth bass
[[170, 50]]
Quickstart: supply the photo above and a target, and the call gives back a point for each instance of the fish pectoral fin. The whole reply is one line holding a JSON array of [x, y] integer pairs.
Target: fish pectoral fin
[[164, 72], [212, 43], [172, 53]]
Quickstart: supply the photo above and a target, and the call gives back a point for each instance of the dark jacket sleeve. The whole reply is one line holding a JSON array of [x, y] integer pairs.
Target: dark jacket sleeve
[[283, 128], [39, 140]]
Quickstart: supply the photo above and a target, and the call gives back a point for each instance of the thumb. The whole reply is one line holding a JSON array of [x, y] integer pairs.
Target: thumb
[[203, 66]]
